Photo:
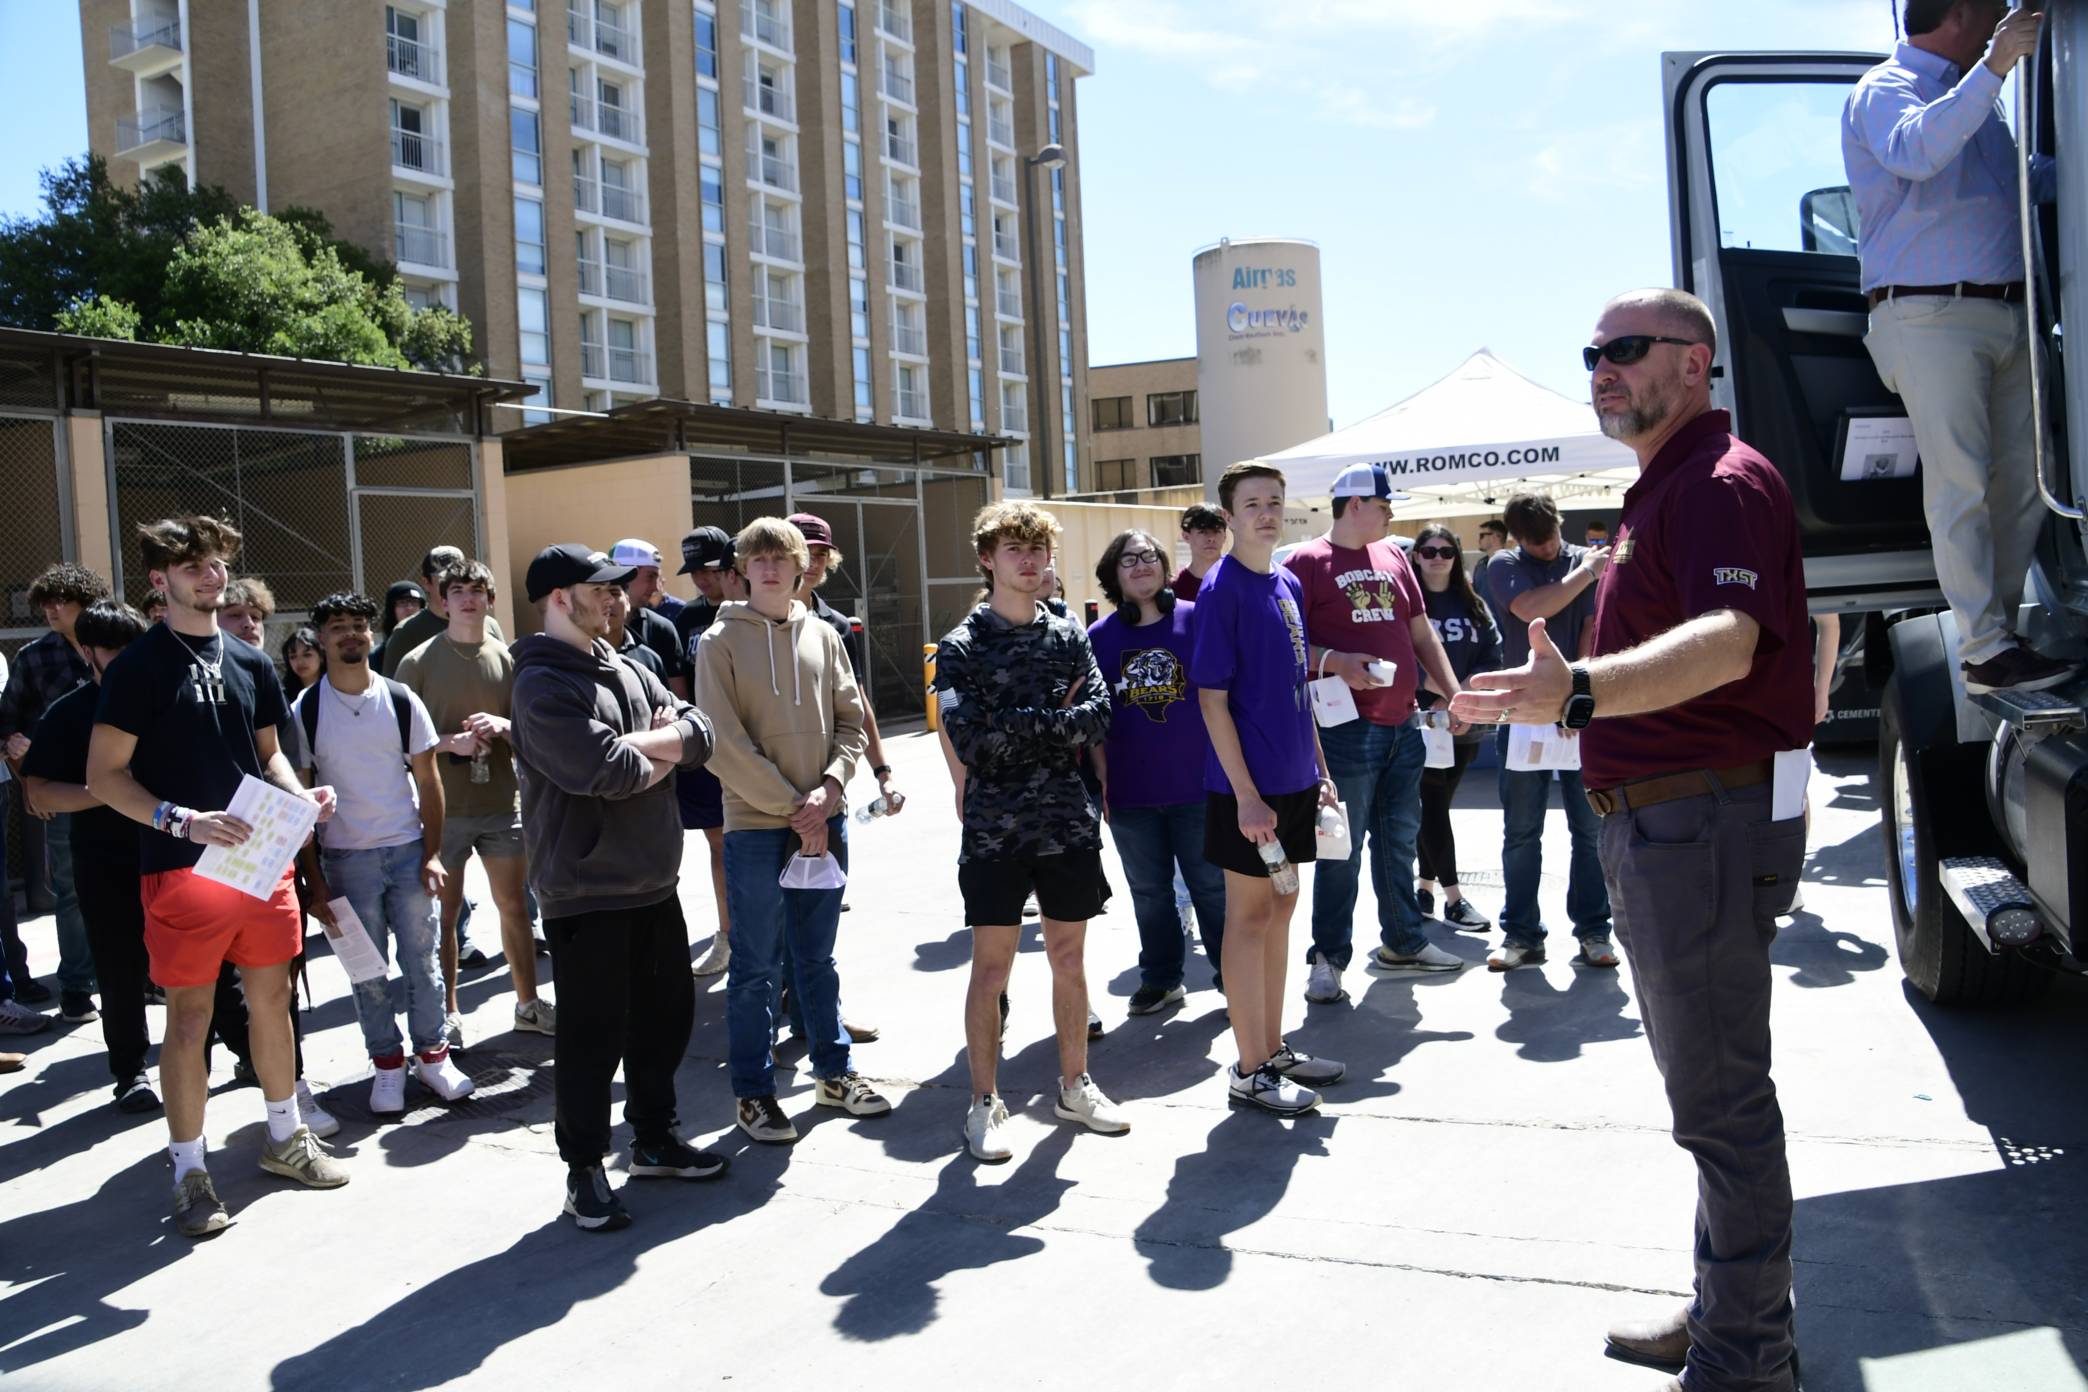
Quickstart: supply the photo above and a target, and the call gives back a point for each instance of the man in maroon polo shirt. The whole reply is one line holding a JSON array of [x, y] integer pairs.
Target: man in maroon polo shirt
[[1701, 676]]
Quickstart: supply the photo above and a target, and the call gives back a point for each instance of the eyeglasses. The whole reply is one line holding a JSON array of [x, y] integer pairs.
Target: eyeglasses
[[1130, 560], [1436, 553], [1629, 349]]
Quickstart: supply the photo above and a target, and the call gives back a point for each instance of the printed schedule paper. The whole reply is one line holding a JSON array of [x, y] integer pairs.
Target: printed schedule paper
[[351, 945], [281, 822]]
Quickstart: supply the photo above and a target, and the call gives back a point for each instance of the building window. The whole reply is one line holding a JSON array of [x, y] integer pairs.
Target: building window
[[522, 58], [712, 183], [852, 170], [1116, 475], [529, 236], [865, 400], [1170, 408], [528, 147], [977, 382], [1176, 470], [858, 307], [720, 345], [715, 282], [1112, 412], [851, 103], [708, 139], [706, 45], [539, 397], [532, 310], [958, 37], [848, 32]]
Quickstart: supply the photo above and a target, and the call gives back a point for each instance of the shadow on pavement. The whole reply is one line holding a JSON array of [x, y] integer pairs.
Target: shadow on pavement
[[1549, 1025], [1903, 1268], [1823, 957], [1376, 1033], [1236, 1180], [889, 1288]]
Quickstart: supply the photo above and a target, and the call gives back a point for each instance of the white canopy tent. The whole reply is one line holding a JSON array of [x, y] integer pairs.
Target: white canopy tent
[[1462, 445]]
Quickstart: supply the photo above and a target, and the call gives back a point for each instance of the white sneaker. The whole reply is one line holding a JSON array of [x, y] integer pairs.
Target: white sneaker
[[388, 1091], [716, 960], [985, 1128], [1323, 987], [316, 1118], [1429, 959], [453, 1029], [1269, 1090], [1085, 1103], [443, 1078], [539, 1016], [1510, 955]]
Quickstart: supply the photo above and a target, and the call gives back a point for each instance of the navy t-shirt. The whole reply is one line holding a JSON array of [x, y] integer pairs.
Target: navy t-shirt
[[195, 734], [1157, 745], [1250, 644], [58, 751]]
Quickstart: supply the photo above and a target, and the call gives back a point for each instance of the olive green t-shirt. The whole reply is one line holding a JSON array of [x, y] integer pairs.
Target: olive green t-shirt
[[418, 629], [455, 680]]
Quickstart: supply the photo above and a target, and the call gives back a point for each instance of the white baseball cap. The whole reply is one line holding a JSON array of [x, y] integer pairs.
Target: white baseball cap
[[632, 551], [1362, 481]]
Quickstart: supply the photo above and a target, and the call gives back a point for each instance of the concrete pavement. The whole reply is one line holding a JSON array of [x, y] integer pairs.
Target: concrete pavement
[[1489, 1189]]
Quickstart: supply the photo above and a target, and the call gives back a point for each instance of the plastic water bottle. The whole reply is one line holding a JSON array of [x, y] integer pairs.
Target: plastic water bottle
[[872, 810], [1283, 876], [481, 768]]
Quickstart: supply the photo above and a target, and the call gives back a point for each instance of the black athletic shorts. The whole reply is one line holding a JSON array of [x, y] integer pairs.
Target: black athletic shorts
[[1070, 887], [1297, 824]]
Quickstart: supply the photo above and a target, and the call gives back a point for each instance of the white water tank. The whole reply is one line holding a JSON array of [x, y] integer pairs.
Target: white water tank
[[1261, 350]]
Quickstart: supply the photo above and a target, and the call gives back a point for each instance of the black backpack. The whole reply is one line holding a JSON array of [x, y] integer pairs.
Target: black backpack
[[308, 716]]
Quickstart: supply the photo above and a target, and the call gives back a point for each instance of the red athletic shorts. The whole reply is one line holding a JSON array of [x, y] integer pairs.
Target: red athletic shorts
[[194, 925]]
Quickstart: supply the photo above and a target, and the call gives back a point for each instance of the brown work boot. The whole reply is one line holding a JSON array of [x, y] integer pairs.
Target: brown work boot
[[1658, 1343], [2015, 669]]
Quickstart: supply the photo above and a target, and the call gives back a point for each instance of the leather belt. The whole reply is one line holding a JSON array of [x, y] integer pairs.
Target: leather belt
[[1964, 289], [1669, 787]]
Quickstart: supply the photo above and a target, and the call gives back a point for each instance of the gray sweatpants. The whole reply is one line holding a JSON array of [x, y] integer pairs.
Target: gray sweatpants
[[1696, 886]]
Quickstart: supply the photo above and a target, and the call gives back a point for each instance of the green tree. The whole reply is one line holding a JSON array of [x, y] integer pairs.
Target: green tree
[[173, 265]]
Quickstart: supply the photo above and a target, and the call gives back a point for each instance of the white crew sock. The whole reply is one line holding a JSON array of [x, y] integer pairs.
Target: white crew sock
[[282, 1118], [187, 1155]]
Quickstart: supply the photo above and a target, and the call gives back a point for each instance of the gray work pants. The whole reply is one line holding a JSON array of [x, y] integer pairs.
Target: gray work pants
[[1696, 886]]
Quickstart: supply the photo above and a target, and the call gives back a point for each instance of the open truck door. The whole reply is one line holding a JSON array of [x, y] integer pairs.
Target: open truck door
[[1764, 232]]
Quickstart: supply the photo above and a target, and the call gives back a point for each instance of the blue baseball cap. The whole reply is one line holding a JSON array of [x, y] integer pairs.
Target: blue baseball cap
[[1362, 481]]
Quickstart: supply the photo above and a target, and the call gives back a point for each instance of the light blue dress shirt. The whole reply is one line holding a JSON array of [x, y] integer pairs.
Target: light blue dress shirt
[[1933, 168]]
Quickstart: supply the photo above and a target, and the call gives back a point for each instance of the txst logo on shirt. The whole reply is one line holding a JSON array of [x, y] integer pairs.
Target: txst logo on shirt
[[1733, 575], [1372, 595], [1153, 680]]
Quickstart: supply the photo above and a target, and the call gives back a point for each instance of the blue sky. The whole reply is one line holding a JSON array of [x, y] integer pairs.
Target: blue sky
[[1476, 172]]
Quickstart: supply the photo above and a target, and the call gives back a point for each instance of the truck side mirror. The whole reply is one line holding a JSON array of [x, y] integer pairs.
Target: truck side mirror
[[1828, 221]]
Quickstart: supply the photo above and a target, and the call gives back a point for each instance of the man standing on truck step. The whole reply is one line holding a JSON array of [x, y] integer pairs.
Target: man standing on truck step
[[1933, 168], [1700, 680]]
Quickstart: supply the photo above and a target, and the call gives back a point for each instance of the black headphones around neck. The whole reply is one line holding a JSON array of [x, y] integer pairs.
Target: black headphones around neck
[[1127, 609]]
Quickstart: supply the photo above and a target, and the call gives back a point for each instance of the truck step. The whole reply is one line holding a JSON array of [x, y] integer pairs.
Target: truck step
[[2034, 712], [1997, 906]]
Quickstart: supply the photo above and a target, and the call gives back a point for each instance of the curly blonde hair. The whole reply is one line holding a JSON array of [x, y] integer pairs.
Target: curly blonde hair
[[1023, 523]]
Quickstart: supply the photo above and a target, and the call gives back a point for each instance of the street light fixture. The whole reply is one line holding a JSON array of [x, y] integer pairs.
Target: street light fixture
[[1052, 156]]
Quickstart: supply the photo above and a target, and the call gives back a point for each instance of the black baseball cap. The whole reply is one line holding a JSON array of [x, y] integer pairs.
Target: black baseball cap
[[706, 548], [556, 567]]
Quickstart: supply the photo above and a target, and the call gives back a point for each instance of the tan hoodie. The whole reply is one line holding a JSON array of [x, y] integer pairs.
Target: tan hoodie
[[785, 709]]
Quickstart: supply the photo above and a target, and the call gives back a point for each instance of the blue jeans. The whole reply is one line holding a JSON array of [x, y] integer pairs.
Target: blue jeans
[[75, 959], [1152, 842], [764, 917], [1377, 769], [384, 887], [1525, 797]]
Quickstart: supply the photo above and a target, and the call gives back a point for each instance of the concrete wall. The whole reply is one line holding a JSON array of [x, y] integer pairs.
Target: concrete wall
[[598, 504], [1089, 527]]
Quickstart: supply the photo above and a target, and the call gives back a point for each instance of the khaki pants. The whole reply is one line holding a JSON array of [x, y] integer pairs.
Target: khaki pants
[[1962, 367]]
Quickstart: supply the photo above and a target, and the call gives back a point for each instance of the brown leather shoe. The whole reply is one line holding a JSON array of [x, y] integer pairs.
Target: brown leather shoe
[[2016, 669], [1657, 1343]]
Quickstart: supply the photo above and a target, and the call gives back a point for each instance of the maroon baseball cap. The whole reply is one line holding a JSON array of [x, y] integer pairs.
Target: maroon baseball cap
[[817, 532]]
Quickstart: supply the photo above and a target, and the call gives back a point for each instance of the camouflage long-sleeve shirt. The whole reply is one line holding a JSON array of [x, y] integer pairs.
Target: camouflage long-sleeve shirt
[[1001, 689]]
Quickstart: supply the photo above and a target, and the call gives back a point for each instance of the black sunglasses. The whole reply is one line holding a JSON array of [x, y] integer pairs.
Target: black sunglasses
[[1629, 349], [1436, 553]]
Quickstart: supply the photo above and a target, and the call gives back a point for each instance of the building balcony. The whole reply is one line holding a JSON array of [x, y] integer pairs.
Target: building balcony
[[632, 365], [1014, 417], [910, 339], [420, 61], [774, 172], [784, 388], [777, 243], [421, 246], [147, 49], [901, 151], [770, 101], [1008, 302], [1011, 361], [786, 315], [895, 21], [625, 284], [898, 86], [911, 405], [609, 40], [1003, 189], [997, 75], [1004, 246], [590, 281], [152, 136], [601, 118], [765, 25], [608, 200], [903, 212], [417, 153], [1001, 132], [906, 277]]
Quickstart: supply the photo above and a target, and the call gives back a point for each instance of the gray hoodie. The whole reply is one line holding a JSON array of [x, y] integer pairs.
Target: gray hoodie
[[599, 840]]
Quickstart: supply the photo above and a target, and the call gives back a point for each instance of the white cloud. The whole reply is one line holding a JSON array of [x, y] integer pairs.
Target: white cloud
[[1158, 27]]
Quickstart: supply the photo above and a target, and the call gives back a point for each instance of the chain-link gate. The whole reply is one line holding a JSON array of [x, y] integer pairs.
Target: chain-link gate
[[34, 534], [318, 511]]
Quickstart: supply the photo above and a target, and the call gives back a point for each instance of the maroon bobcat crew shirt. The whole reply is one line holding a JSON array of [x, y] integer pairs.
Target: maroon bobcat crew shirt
[[1709, 525]]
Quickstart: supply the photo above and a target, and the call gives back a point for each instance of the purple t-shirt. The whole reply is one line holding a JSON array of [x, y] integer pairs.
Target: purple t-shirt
[[1157, 745], [1249, 633]]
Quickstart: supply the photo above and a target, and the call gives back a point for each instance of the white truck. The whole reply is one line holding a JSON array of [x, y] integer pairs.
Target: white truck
[[1984, 799]]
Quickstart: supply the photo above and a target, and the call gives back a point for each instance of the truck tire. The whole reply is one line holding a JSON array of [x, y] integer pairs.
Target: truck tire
[[1939, 954]]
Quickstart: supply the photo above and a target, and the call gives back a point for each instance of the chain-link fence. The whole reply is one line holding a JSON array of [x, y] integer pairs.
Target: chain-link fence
[[32, 537]]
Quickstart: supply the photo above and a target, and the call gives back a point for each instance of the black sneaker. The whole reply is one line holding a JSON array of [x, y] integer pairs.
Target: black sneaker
[[763, 1118], [1094, 1025], [1004, 1014], [591, 1204], [1466, 919], [76, 1007], [474, 956], [674, 1160], [136, 1096], [1151, 1000], [154, 994], [2015, 669], [1426, 898], [30, 992]]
